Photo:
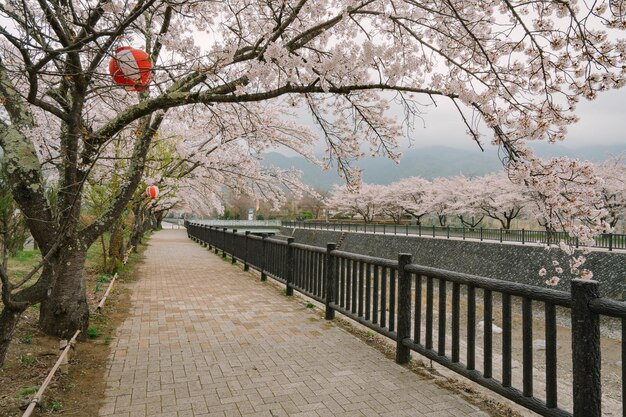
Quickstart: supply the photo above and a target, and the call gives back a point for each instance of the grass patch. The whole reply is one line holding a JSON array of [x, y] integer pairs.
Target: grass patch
[[22, 263], [30, 256], [55, 405], [104, 278], [27, 360], [310, 305], [93, 332], [27, 340], [28, 390]]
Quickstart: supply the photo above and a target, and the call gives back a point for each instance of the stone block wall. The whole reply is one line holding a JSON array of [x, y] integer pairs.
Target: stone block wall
[[512, 262]]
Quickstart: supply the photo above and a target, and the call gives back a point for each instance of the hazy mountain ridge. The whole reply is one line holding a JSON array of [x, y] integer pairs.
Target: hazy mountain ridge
[[431, 162]]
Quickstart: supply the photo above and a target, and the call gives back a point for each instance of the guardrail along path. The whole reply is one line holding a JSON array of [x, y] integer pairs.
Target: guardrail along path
[[204, 338]]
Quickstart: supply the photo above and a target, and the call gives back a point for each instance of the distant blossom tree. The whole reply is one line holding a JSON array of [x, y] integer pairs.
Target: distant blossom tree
[[439, 200], [464, 200], [363, 201], [499, 198], [389, 203], [412, 194]]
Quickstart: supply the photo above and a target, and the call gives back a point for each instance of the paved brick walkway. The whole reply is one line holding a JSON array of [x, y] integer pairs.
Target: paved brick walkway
[[206, 339]]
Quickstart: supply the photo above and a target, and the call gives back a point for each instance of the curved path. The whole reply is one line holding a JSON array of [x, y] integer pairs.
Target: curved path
[[203, 338]]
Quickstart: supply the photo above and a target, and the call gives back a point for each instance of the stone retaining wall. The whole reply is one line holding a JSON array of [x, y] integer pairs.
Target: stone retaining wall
[[518, 263]]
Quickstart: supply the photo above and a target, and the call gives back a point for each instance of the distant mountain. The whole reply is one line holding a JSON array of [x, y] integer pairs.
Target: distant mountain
[[431, 162]]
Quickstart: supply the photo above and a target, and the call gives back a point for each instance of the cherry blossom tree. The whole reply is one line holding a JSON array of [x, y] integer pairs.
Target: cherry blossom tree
[[565, 196], [520, 67], [613, 173], [363, 201], [439, 199], [499, 198], [313, 203], [409, 195], [463, 199], [389, 203]]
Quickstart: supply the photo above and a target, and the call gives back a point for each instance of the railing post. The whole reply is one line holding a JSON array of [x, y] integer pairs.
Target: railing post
[[211, 235], [224, 242], [448, 231], [263, 257], [395, 229], [403, 353], [463, 232], [610, 242], [329, 281], [481, 234], [290, 267], [232, 248], [524, 240], [500, 235], [433, 230], [585, 350], [419, 229], [246, 267]]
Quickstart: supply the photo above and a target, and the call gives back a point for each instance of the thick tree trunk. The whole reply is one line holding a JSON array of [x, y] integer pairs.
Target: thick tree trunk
[[138, 228], [116, 247], [8, 323], [159, 219], [66, 309], [104, 253]]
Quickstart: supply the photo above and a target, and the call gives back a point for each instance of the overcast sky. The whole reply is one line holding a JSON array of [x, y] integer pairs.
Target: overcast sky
[[602, 122]]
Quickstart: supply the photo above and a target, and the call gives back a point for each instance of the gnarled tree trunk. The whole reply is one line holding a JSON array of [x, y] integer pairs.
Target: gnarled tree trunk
[[66, 309], [116, 247], [159, 219], [18, 301], [8, 322], [137, 233]]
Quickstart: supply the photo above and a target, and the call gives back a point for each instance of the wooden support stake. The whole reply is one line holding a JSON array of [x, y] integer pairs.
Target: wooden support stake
[[106, 294], [37, 398]]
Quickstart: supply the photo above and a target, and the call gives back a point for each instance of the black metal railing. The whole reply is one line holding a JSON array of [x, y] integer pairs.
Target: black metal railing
[[608, 241], [437, 314]]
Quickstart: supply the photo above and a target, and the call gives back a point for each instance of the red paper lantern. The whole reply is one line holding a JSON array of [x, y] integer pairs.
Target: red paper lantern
[[152, 191], [131, 68]]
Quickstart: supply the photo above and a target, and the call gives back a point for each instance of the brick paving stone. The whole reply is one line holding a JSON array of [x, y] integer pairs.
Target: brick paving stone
[[205, 339]]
